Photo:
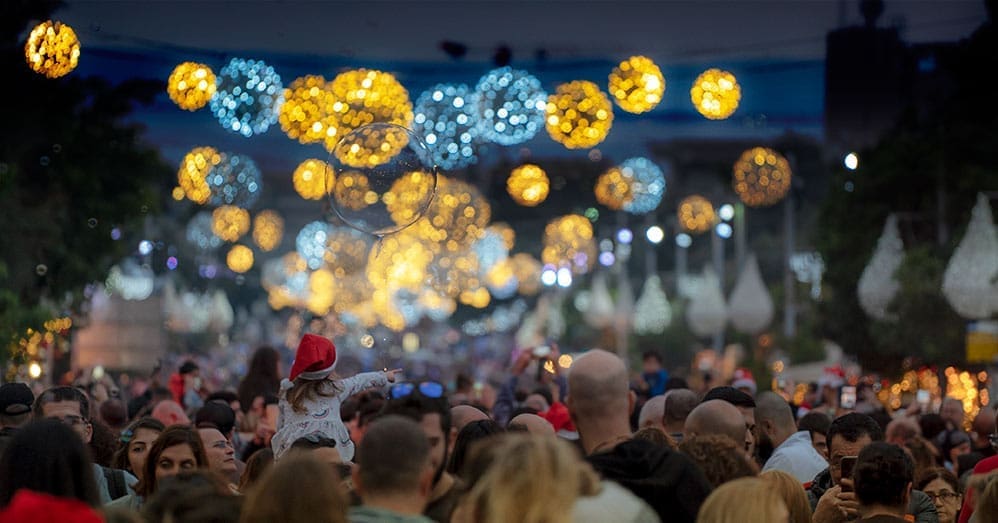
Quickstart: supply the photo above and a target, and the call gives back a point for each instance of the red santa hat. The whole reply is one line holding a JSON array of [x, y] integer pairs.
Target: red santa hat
[[742, 379], [833, 377], [315, 358]]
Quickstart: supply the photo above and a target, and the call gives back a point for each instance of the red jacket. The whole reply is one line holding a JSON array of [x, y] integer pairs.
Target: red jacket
[[558, 417], [983, 467]]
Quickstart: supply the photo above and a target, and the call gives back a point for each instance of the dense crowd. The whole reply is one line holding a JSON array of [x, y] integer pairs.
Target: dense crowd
[[592, 443]]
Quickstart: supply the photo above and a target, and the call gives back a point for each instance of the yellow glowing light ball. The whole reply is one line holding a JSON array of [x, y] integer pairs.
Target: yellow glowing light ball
[[696, 214], [268, 229], [569, 242], [579, 115], [504, 231], [229, 222], [363, 96], [637, 84], [353, 191], [478, 298], [614, 189], [716, 94], [321, 292], [304, 114], [346, 251], [191, 85], [313, 179], [240, 258], [193, 169], [527, 270], [400, 262], [528, 185], [457, 216], [372, 146], [406, 195], [761, 177], [52, 49], [454, 272]]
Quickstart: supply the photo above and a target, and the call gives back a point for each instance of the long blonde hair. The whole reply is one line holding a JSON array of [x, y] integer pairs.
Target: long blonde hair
[[744, 500], [282, 495], [792, 492]]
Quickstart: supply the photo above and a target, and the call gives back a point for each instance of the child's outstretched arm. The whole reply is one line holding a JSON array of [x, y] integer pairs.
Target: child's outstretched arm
[[365, 380]]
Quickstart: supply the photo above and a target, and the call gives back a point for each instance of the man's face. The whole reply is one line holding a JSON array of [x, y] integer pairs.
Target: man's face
[[437, 438], [221, 455], [650, 365], [750, 429], [841, 448], [820, 443], [69, 413]]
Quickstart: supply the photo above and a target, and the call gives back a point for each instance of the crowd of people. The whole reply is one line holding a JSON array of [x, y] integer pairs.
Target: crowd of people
[[585, 444]]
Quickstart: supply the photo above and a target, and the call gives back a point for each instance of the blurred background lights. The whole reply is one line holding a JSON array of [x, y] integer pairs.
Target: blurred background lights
[[304, 114], [724, 230], [564, 277], [613, 189], [637, 84], [193, 173], [236, 180], [606, 259], [52, 49], [313, 179], [549, 277], [655, 234], [248, 97], [191, 85], [726, 212], [851, 161], [761, 177], [171, 263], [268, 229], [625, 236], [579, 115], [684, 240], [200, 234], [568, 240], [311, 243], [696, 214], [510, 106], [647, 184], [528, 185], [145, 247], [239, 258], [229, 222], [715, 94], [362, 97], [34, 370], [445, 118]]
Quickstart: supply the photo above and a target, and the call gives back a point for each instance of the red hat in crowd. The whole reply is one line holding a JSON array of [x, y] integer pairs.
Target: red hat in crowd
[[315, 359], [743, 379], [40, 507]]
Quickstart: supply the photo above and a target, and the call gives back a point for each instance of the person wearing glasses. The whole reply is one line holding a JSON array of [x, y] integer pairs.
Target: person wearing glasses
[[71, 406], [944, 488], [985, 467], [309, 400]]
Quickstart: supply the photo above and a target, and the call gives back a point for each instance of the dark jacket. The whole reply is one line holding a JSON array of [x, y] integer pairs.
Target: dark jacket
[[665, 479], [920, 505]]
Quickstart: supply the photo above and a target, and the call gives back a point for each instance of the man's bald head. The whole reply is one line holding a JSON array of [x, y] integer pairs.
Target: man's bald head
[[598, 386], [533, 424], [652, 412], [716, 417], [771, 407], [678, 405], [462, 415]]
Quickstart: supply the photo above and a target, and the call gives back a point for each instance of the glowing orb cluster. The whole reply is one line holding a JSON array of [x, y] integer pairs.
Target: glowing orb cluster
[[528, 185], [199, 232], [579, 115], [457, 216], [239, 259], [321, 294], [303, 116], [761, 177], [193, 173], [236, 180], [410, 196], [191, 85], [637, 84], [313, 179], [613, 189], [696, 214], [647, 183], [490, 249], [229, 222], [346, 250], [716, 94], [52, 49], [311, 243], [362, 97], [569, 243], [444, 117], [268, 229], [248, 97], [510, 106], [527, 271], [286, 281]]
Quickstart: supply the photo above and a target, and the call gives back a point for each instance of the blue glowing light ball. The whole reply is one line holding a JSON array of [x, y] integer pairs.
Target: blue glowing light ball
[[311, 243], [647, 185], [248, 96], [490, 250], [199, 232], [444, 117], [510, 106], [236, 180]]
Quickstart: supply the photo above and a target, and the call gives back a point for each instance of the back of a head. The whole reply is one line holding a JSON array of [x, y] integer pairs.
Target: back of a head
[[416, 405], [531, 423], [461, 415], [472, 433], [815, 422], [652, 412], [296, 490], [393, 457], [218, 414], [170, 413], [598, 386], [986, 505], [716, 417], [193, 496], [900, 430], [47, 456], [770, 406], [852, 427], [745, 500], [256, 466], [931, 424], [882, 475], [730, 395], [721, 458], [113, 413], [678, 405], [792, 493]]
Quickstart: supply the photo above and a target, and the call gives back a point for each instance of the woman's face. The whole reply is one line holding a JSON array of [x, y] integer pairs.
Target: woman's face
[[138, 449], [946, 499], [174, 460]]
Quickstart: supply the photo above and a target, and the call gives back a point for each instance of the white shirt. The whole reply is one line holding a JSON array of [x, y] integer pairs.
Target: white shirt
[[796, 456]]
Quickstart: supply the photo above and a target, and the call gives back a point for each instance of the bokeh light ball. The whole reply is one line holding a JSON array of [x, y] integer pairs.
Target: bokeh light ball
[[311, 243], [199, 232], [528, 185], [268, 230], [313, 179], [696, 214], [304, 114], [229, 222], [445, 118], [761, 177], [569, 243], [637, 85], [510, 105], [191, 85], [716, 94], [236, 180], [52, 49], [647, 181], [239, 259], [363, 97], [192, 176], [613, 189], [248, 96], [579, 115]]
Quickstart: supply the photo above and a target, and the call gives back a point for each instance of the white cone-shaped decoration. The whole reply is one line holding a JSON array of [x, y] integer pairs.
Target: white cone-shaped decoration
[[601, 312], [556, 320], [652, 313], [969, 283], [707, 313], [750, 305], [221, 313], [878, 284], [624, 309]]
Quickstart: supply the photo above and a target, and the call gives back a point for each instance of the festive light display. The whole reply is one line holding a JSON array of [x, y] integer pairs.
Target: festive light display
[[351, 190], [501, 279], [652, 312], [510, 105], [239, 259], [362, 97], [637, 84], [313, 179], [696, 214], [130, 280], [707, 313], [286, 281], [268, 229], [715, 94], [970, 282], [235, 180], [200, 234], [193, 173], [444, 117], [229, 222], [456, 217], [528, 185], [52, 49], [613, 189], [569, 242], [647, 183], [761, 177], [579, 115], [311, 243], [410, 196], [248, 97], [321, 292], [304, 113], [750, 305], [191, 85], [878, 285], [490, 249], [527, 271], [346, 250]]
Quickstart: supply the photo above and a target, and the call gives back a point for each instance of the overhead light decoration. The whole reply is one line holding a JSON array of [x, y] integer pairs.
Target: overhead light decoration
[[352, 190], [528, 185], [878, 284], [199, 232], [248, 96], [362, 97], [652, 312], [236, 180], [970, 283], [321, 295], [510, 105], [313, 179], [715, 94], [445, 118], [131, 281], [637, 85], [527, 271], [579, 115], [268, 229], [696, 214], [761, 177], [230, 223], [52, 49], [346, 250], [647, 182], [613, 189], [304, 114], [311, 243], [750, 306], [191, 85], [569, 244], [457, 216], [193, 173], [239, 259]]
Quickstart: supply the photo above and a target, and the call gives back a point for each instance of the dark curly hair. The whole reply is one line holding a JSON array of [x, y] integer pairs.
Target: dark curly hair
[[719, 457], [882, 474]]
